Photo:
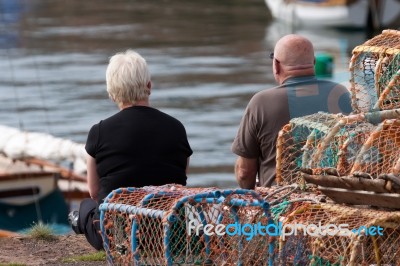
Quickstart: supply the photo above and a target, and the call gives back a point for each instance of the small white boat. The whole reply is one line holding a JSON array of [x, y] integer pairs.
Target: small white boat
[[335, 13], [33, 187], [33, 190]]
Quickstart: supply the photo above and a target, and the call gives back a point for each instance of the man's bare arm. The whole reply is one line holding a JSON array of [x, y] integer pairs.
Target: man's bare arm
[[246, 172]]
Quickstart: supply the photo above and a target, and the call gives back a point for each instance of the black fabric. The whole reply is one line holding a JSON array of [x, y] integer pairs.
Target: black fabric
[[89, 223], [139, 146]]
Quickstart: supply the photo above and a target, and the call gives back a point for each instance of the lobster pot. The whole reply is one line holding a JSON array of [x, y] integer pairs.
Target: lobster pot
[[380, 152], [174, 225], [374, 176], [117, 222], [336, 152], [293, 137], [328, 234], [374, 69], [338, 149]]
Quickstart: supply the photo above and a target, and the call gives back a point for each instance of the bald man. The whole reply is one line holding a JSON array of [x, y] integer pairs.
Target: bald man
[[299, 93]]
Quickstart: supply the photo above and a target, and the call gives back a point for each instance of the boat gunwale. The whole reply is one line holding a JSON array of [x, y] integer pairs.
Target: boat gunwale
[[26, 175]]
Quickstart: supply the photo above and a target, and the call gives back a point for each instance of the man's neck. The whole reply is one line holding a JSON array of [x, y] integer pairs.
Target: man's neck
[[296, 74]]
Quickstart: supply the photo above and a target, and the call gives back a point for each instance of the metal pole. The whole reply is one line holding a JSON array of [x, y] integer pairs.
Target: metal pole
[[374, 7]]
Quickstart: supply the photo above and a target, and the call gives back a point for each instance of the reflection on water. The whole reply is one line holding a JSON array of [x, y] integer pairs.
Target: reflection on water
[[207, 59]]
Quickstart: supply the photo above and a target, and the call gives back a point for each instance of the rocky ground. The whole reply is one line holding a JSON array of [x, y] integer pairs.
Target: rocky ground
[[23, 250]]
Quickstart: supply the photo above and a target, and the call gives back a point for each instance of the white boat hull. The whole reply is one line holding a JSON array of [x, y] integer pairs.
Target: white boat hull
[[25, 182], [315, 15], [25, 189]]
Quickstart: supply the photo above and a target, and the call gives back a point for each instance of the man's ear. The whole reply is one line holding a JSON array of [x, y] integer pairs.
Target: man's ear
[[277, 68]]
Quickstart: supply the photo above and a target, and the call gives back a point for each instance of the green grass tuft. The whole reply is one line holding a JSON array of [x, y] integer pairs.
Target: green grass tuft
[[98, 256], [41, 231], [12, 264]]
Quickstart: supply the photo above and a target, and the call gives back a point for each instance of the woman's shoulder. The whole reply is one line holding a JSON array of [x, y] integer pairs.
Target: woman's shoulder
[[169, 117]]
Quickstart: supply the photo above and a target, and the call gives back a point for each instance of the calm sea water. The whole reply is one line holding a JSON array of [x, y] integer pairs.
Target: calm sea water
[[207, 59]]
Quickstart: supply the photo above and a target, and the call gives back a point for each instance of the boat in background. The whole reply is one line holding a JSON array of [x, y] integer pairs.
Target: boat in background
[[34, 189], [335, 13]]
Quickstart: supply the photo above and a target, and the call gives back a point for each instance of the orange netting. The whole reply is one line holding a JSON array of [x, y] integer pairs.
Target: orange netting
[[323, 144], [300, 132], [331, 234], [166, 226], [381, 150], [160, 227]]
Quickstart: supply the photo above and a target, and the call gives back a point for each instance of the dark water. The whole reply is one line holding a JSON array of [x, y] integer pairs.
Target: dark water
[[207, 59]]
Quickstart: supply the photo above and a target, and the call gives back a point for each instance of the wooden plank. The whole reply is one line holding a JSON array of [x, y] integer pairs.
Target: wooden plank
[[358, 197], [347, 182]]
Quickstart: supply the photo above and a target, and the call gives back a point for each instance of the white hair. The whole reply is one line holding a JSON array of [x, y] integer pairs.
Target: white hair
[[127, 78]]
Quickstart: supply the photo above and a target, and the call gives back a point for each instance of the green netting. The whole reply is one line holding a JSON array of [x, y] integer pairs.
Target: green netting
[[374, 70]]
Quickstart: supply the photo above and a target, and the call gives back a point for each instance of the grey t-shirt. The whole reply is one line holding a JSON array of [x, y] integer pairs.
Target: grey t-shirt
[[269, 110]]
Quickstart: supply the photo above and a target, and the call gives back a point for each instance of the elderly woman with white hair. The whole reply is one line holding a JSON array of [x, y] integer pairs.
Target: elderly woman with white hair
[[138, 146]]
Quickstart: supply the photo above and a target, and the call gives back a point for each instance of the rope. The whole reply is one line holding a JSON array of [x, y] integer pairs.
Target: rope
[[318, 261], [293, 187], [42, 98], [278, 209]]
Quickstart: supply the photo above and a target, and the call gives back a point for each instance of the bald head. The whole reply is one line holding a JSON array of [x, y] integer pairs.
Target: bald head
[[294, 57], [294, 50]]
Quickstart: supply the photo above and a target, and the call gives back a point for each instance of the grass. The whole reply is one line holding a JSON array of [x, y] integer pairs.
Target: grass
[[41, 231], [12, 264], [98, 256]]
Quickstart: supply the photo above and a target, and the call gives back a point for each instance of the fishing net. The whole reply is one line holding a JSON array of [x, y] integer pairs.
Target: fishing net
[[291, 140], [337, 150], [374, 69], [344, 156], [331, 234], [282, 199], [381, 150], [166, 226], [359, 162]]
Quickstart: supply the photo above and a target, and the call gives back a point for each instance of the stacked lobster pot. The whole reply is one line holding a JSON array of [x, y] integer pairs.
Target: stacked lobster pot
[[358, 162]]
